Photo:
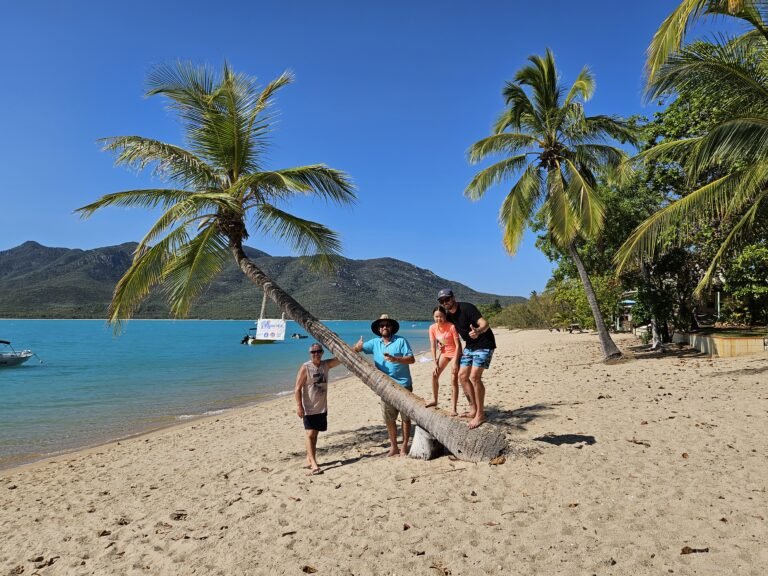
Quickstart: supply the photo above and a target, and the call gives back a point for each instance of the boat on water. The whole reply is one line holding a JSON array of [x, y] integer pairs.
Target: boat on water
[[251, 340], [10, 357]]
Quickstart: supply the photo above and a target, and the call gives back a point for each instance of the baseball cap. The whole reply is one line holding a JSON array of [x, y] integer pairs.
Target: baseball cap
[[445, 293]]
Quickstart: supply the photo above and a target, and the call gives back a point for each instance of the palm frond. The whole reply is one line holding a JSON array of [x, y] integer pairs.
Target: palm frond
[[328, 183], [586, 203], [171, 163], [734, 141], [194, 208], [598, 156], [518, 205], [737, 231], [304, 236], [559, 209], [733, 70], [670, 151], [193, 267], [601, 128], [711, 199], [503, 143], [147, 198], [187, 86], [492, 175], [583, 86], [670, 35], [146, 271], [518, 106]]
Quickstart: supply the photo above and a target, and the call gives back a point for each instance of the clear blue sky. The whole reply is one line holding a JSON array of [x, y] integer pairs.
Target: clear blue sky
[[391, 92]]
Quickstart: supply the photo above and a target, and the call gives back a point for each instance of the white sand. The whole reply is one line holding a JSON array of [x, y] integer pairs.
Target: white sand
[[644, 458]]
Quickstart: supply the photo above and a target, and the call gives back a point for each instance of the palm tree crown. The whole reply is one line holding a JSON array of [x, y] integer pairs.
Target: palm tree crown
[[557, 149], [220, 186]]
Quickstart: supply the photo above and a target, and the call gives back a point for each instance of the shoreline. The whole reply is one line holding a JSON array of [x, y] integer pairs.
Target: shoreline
[[615, 469], [41, 432], [173, 422]]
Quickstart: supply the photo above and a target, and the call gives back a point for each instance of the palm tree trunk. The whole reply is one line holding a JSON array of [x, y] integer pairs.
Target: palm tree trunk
[[610, 350], [477, 445]]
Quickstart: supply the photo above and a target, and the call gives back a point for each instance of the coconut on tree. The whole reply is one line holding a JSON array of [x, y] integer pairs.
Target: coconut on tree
[[221, 192], [552, 152]]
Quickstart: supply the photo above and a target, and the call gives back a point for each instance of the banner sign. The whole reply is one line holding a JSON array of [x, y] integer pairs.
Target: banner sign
[[270, 329]]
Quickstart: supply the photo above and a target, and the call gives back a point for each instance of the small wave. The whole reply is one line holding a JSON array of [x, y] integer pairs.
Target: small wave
[[207, 413], [284, 393]]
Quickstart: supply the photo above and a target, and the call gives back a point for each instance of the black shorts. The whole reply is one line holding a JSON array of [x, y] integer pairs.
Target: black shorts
[[317, 422]]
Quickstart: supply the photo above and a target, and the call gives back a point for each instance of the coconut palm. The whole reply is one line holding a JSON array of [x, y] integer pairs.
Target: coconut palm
[[733, 72], [223, 192], [557, 151]]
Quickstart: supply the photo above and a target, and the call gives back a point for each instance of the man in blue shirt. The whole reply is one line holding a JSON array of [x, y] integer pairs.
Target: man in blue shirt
[[391, 354]]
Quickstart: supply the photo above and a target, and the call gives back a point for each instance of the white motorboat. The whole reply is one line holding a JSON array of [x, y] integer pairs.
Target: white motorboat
[[9, 356]]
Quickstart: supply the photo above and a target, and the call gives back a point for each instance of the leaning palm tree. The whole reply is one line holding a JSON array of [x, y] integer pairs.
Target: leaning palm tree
[[222, 193], [557, 151], [734, 73]]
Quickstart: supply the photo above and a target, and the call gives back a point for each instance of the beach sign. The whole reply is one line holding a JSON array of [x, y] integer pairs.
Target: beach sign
[[267, 329]]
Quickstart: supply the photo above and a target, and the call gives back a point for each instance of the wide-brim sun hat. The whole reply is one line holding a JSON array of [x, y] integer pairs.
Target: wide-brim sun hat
[[382, 318]]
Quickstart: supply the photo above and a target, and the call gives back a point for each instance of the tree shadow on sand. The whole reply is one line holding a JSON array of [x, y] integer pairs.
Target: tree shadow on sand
[[643, 352], [368, 439], [518, 418], [741, 372]]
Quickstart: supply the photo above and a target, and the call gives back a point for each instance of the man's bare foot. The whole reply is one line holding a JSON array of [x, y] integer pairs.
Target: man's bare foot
[[393, 452], [314, 472], [467, 415], [475, 422], [454, 413], [404, 451]]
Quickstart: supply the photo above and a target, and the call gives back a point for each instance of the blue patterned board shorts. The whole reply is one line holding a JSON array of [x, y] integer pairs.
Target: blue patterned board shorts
[[480, 358]]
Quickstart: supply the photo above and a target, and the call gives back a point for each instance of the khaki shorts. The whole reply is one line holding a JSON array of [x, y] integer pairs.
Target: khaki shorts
[[389, 412]]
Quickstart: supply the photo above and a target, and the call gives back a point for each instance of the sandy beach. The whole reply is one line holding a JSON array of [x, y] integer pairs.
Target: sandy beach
[[653, 465]]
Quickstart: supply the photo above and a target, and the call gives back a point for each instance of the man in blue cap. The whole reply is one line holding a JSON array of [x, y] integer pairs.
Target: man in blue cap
[[478, 351]]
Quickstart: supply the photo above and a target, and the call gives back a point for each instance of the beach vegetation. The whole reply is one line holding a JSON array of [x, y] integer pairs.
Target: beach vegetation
[[221, 193], [553, 152], [539, 311], [725, 167]]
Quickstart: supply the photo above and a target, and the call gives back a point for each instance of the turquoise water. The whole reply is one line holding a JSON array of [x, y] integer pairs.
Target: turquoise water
[[93, 386]]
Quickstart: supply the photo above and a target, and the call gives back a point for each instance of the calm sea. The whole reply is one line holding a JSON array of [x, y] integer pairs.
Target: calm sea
[[93, 386]]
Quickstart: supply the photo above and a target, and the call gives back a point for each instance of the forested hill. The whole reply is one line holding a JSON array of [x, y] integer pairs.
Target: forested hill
[[41, 282]]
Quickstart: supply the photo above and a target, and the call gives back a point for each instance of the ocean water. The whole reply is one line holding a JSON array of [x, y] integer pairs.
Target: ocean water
[[93, 386]]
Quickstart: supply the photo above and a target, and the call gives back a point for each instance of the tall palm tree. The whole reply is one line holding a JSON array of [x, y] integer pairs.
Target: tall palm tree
[[556, 150], [222, 187], [734, 72]]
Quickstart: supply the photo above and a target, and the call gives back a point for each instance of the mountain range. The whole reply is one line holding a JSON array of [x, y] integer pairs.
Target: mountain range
[[41, 282]]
